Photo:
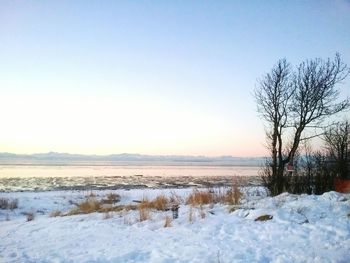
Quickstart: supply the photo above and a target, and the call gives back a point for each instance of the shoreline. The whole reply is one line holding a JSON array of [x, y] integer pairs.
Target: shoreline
[[39, 184]]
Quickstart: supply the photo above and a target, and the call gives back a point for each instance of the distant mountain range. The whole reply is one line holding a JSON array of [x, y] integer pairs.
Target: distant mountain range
[[55, 158]]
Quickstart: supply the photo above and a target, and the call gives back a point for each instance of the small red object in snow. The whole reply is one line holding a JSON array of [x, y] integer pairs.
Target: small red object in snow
[[342, 185], [290, 168]]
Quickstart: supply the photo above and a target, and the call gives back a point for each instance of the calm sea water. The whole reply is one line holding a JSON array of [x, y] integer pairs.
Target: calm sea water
[[7, 171]]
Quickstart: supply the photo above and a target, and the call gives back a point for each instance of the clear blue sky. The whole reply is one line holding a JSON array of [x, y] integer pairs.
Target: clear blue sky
[[153, 77]]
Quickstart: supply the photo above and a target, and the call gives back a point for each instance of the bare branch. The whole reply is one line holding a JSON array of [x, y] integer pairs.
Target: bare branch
[[311, 137]]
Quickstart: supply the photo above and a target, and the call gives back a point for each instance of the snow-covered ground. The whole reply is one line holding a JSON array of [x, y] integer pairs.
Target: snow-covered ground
[[303, 229]]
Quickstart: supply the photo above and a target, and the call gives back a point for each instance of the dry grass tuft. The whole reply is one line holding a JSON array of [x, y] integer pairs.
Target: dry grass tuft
[[145, 203], [233, 196], [230, 196], [55, 213], [90, 205], [168, 221], [99, 209], [198, 198], [160, 203], [144, 209], [144, 214], [6, 203]]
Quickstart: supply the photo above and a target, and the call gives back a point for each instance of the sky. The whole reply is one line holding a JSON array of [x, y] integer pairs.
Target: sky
[[151, 77]]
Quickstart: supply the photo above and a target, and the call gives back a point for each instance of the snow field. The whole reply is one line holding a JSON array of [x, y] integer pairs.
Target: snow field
[[303, 229]]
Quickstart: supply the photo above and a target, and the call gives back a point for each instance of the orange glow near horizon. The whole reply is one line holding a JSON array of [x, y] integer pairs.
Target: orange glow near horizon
[[108, 125]]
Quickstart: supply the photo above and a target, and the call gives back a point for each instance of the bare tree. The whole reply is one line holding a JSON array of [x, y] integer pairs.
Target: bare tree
[[337, 141], [293, 101], [275, 91]]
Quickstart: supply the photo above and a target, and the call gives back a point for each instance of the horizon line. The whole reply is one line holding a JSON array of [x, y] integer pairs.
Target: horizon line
[[126, 153]]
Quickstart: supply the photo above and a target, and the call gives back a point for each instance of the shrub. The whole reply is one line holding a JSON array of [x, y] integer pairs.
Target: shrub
[[315, 172], [30, 216], [6, 203]]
